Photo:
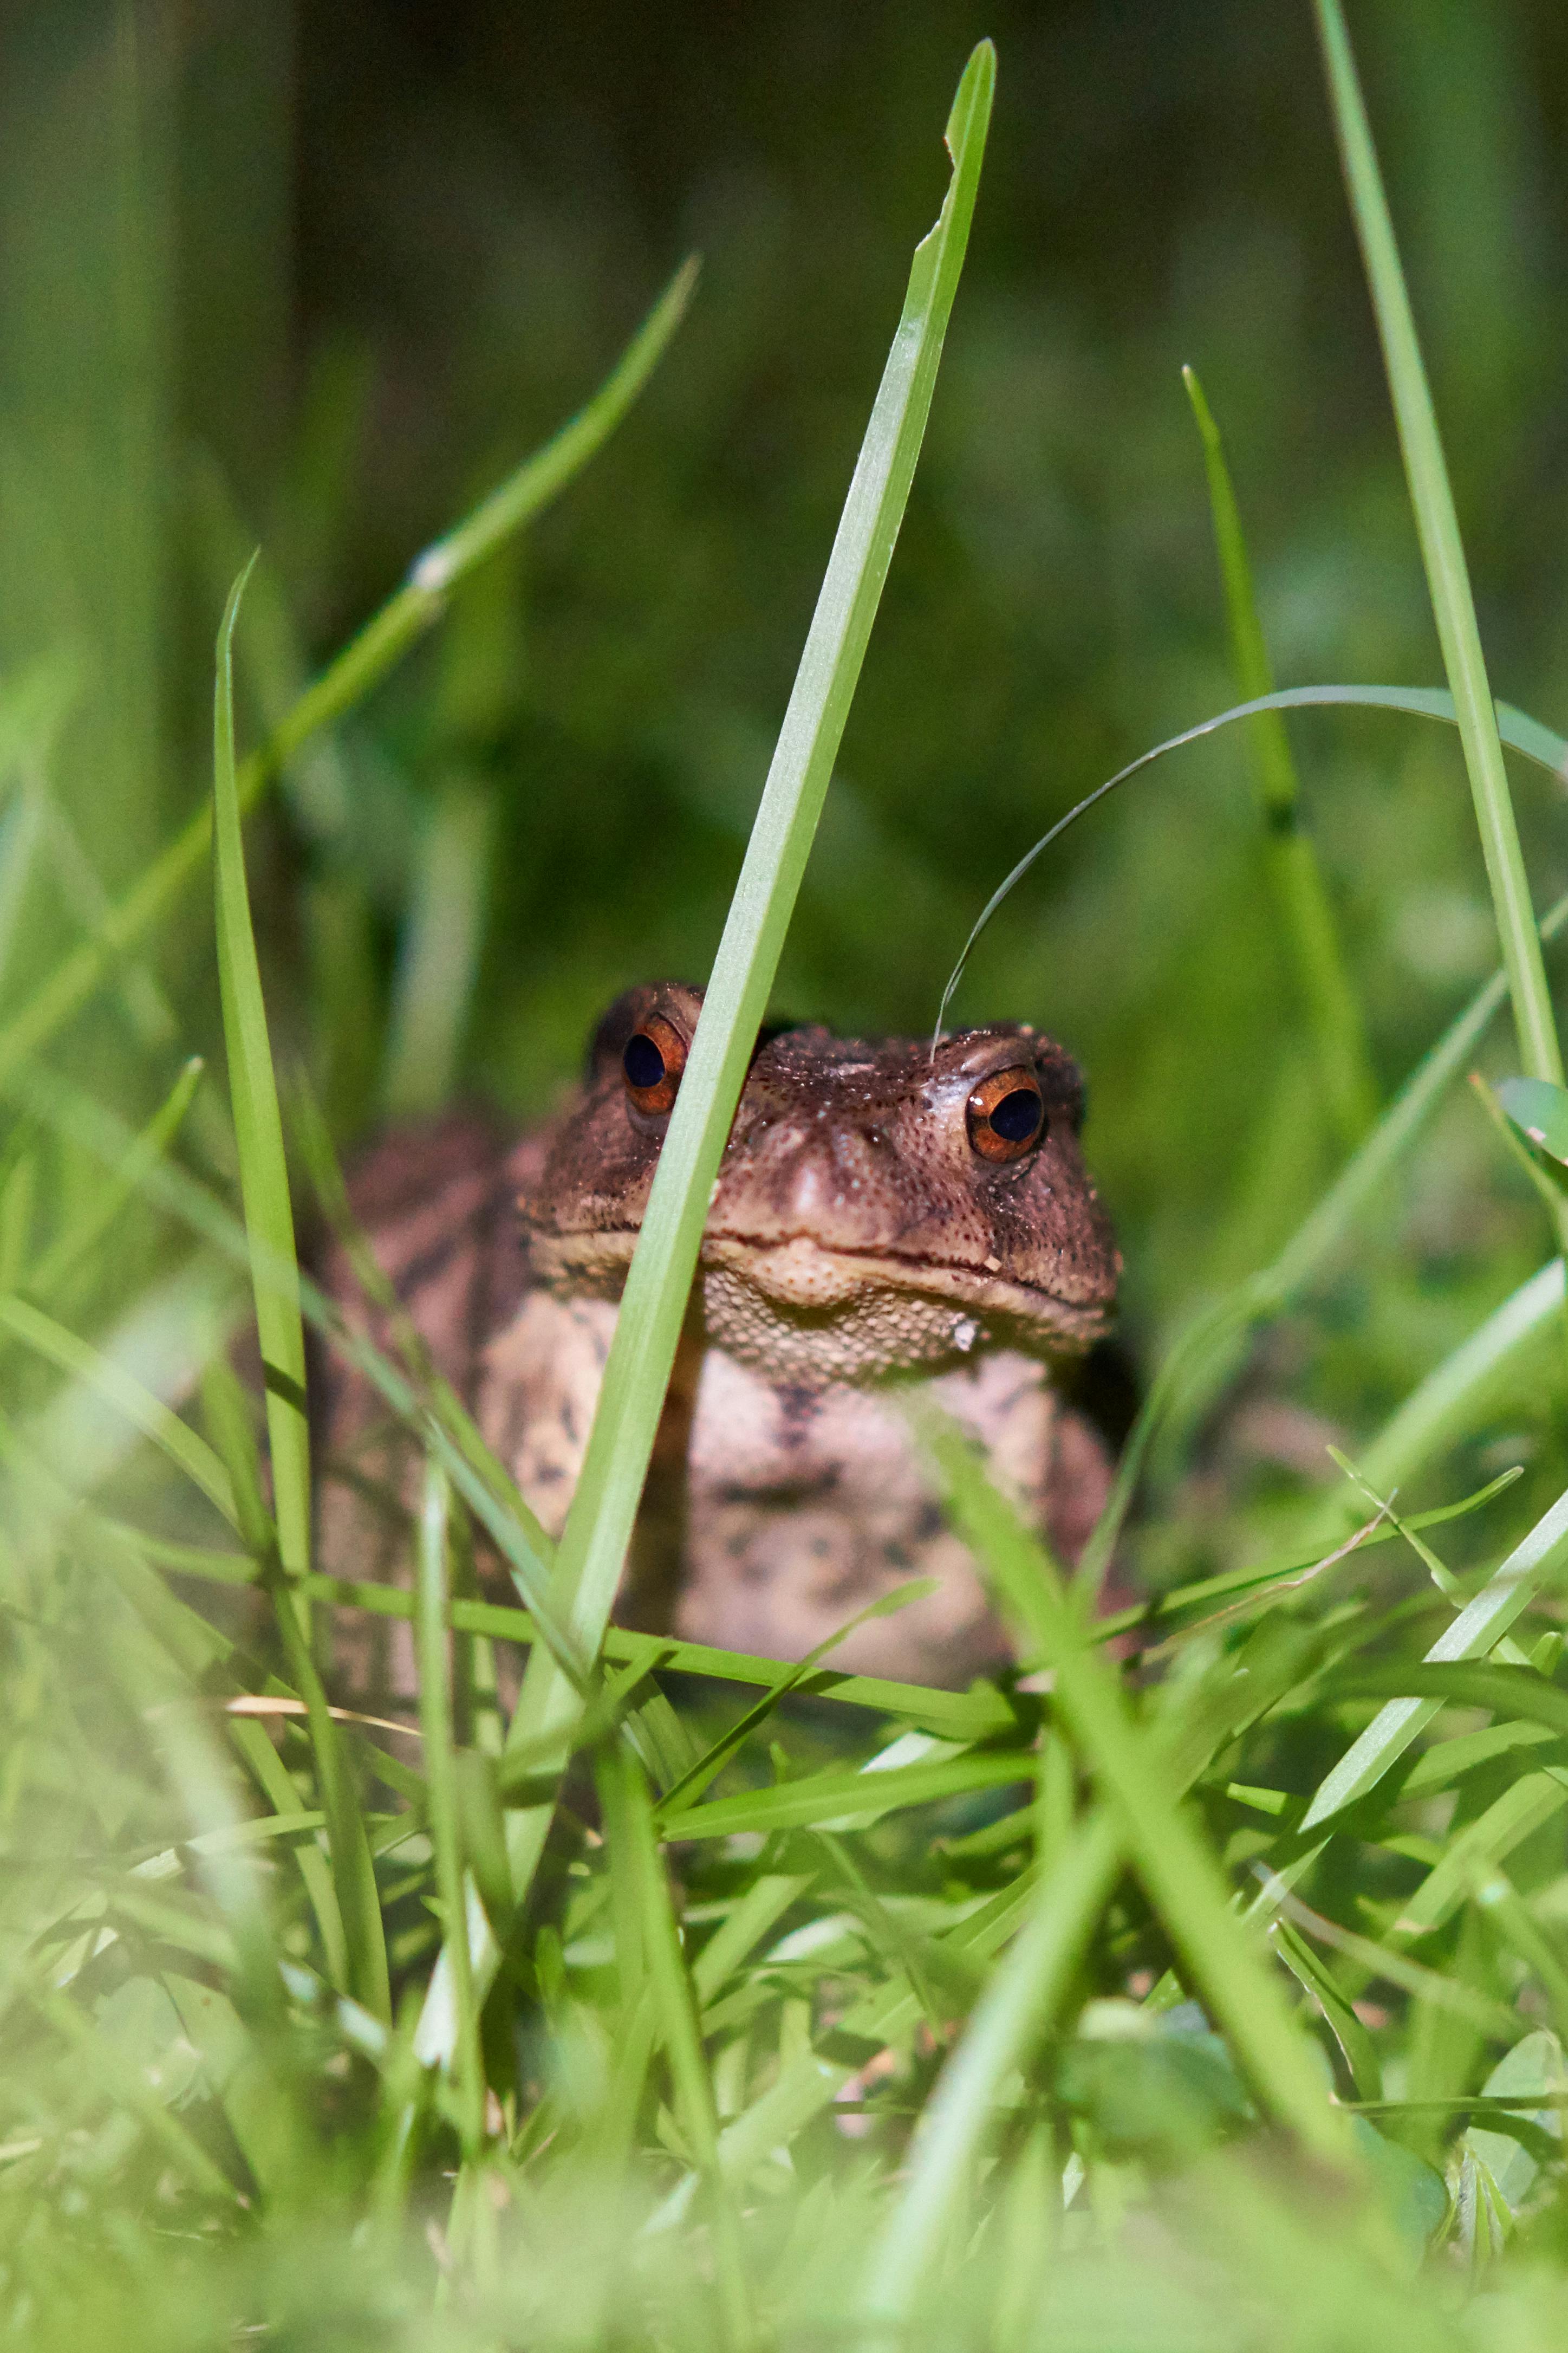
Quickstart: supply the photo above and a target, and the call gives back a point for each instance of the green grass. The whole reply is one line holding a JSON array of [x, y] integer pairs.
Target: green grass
[[1213, 1996]]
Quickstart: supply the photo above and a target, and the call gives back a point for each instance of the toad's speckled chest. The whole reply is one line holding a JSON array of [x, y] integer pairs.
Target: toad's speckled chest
[[880, 1212]]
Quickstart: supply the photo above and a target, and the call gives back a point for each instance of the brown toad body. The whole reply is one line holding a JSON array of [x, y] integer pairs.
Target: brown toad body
[[880, 1211]]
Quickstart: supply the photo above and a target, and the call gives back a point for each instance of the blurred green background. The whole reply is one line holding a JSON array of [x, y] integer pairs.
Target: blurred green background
[[317, 277]]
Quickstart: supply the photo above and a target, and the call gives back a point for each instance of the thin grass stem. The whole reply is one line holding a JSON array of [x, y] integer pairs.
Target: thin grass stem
[[269, 1235], [258, 1138], [1516, 728], [1334, 1021], [433, 1606]]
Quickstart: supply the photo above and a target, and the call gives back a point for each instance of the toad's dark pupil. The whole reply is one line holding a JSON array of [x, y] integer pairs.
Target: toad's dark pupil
[[644, 1064], [1018, 1116]]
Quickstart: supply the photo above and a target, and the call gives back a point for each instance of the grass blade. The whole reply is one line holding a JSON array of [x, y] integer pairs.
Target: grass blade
[[678, 2029], [1517, 1696], [1013, 2011], [440, 1781], [71, 1246], [1447, 1404], [1182, 1879], [258, 1136], [1205, 1352], [826, 1798], [156, 1351], [975, 1715], [438, 958], [363, 662], [594, 1543], [1479, 1626], [269, 1235], [129, 1396], [1333, 1015], [1524, 1806], [1442, 551]]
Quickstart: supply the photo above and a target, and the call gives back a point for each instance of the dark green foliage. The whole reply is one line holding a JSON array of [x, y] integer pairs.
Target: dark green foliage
[[1213, 1998]]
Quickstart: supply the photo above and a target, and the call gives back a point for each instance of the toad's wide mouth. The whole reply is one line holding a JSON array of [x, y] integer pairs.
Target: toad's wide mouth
[[798, 1277], [800, 1273]]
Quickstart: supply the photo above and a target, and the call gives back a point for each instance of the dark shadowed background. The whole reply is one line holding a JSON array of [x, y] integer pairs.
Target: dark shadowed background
[[318, 275]]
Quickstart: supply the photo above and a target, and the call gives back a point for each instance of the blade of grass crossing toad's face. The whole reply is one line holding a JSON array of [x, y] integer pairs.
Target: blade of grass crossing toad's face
[[1333, 1015], [363, 662], [1442, 550], [1177, 1870], [598, 1528]]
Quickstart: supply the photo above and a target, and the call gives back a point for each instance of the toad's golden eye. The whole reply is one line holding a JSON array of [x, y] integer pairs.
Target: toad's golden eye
[[1007, 1116], [653, 1061]]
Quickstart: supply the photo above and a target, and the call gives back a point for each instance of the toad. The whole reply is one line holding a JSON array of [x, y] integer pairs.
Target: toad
[[881, 1212]]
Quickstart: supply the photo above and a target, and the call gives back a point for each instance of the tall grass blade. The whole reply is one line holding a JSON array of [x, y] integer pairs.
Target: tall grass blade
[[1205, 1352], [597, 1531], [1442, 551], [1445, 1407], [677, 2013], [269, 1235], [258, 1136], [1333, 1015]]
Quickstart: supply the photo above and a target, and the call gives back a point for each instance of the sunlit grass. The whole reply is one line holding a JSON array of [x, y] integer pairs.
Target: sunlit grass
[[1201, 2001]]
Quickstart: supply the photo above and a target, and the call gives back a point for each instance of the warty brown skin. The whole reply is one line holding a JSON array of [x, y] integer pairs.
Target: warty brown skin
[[856, 1235]]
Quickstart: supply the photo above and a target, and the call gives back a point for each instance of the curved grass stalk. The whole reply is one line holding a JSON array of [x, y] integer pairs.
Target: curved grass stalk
[[1517, 729]]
